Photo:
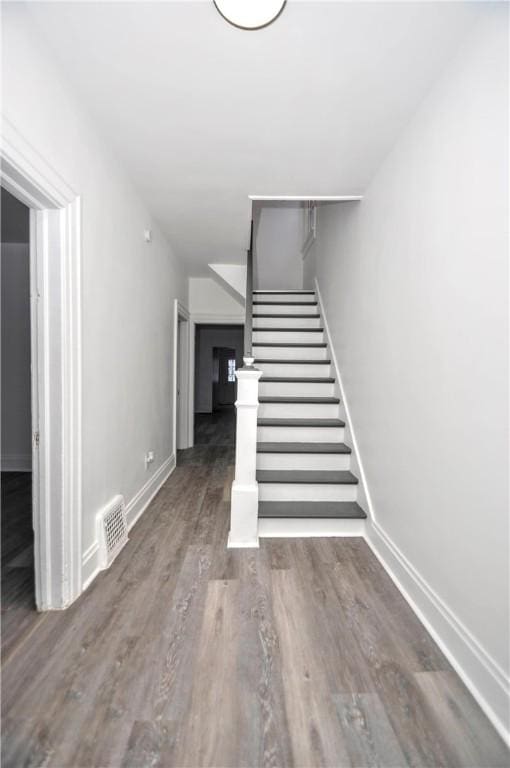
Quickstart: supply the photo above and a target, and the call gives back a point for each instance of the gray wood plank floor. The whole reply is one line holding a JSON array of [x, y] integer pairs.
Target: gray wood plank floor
[[301, 653], [18, 589]]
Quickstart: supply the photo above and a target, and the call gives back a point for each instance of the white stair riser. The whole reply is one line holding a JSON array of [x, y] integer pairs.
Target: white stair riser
[[290, 353], [273, 527], [298, 410], [325, 461], [300, 434], [285, 309], [295, 389], [295, 337], [289, 369], [283, 297], [307, 492], [286, 322]]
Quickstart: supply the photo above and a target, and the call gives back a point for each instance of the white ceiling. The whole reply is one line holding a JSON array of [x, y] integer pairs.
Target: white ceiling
[[204, 114]]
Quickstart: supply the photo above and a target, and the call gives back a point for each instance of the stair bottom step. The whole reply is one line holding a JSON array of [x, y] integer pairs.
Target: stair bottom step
[[310, 527], [315, 509]]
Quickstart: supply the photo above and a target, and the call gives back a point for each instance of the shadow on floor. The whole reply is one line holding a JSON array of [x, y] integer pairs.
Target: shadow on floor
[[217, 428], [18, 588]]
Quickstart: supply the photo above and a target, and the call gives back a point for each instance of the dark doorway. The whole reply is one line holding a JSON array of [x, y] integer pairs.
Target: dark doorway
[[213, 390], [18, 588], [218, 352], [224, 379]]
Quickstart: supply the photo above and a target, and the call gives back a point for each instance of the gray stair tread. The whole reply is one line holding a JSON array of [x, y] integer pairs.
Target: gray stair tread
[[288, 344], [298, 379], [289, 330], [315, 509], [307, 476], [300, 423], [303, 448], [286, 303], [291, 362], [301, 317], [292, 399], [290, 291]]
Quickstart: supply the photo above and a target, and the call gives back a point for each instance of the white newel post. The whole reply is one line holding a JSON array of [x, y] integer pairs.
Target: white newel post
[[244, 506]]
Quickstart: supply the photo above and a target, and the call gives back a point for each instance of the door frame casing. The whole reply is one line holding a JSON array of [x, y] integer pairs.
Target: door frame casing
[[181, 369], [55, 289]]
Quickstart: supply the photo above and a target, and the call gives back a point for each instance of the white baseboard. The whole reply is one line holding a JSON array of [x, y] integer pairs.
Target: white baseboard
[[141, 500], [296, 527], [231, 544], [480, 673], [134, 510], [89, 565], [16, 462]]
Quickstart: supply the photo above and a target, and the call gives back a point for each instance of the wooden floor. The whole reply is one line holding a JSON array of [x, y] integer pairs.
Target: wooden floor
[[301, 653], [18, 604], [217, 428]]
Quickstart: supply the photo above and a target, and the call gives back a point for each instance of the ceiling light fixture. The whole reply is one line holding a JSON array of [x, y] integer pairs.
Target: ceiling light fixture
[[250, 14]]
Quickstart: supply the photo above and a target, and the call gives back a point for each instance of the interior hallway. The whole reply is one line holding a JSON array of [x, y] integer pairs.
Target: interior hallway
[[186, 654]]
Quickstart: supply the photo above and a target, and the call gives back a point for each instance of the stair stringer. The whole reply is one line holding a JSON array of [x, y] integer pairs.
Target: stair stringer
[[364, 499]]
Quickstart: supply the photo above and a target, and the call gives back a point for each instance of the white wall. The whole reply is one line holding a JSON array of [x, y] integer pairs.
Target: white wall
[[231, 277], [278, 242], [415, 284], [128, 285], [207, 298]]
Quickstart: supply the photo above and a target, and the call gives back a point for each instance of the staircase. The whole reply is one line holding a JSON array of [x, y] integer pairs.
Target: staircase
[[303, 465]]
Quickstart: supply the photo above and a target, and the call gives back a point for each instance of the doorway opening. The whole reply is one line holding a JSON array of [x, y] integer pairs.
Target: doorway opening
[[182, 415], [54, 214], [218, 353], [18, 579], [224, 385]]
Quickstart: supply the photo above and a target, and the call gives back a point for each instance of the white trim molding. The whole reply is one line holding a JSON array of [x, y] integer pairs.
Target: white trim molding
[[350, 436], [55, 267], [26, 174], [90, 564], [299, 527], [182, 368]]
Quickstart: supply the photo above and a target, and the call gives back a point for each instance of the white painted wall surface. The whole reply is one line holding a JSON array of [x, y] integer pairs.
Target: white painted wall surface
[[231, 277], [208, 299], [278, 242], [415, 285], [16, 386], [128, 285]]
